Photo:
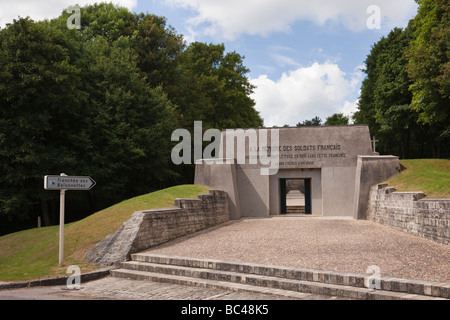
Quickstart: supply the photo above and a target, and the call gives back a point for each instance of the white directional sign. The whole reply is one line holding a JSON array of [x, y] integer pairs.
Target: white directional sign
[[68, 183], [64, 183]]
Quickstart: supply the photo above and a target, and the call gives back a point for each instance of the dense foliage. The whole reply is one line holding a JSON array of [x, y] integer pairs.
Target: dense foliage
[[405, 98], [103, 101]]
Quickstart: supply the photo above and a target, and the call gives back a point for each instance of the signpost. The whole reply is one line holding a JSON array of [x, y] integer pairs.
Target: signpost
[[64, 183]]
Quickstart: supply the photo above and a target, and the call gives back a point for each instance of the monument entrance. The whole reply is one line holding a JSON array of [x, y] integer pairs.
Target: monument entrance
[[295, 196], [322, 171]]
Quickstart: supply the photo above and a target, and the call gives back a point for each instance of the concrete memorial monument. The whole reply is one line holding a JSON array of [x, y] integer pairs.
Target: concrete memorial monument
[[333, 168]]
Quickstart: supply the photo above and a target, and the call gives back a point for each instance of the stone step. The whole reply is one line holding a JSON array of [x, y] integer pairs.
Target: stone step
[[295, 209], [191, 271], [416, 287], [267, 285], [205, 283]]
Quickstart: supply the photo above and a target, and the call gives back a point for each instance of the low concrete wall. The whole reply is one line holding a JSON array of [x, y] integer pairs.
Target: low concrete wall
[[146, 229], [408, 211], [223, 177], [371, 170]]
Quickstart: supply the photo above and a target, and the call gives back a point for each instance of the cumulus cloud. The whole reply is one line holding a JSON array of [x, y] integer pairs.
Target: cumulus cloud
[[232, 18], [44, 9], [318, 90]]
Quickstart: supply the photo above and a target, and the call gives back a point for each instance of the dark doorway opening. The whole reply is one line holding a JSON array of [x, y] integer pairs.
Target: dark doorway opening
[[295, 195]]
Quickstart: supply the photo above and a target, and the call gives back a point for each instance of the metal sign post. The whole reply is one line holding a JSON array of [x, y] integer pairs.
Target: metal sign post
[[62, 203], [64, 183]]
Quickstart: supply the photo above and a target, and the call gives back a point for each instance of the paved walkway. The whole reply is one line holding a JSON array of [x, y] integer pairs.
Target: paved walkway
[[123, 289], [295, 198]]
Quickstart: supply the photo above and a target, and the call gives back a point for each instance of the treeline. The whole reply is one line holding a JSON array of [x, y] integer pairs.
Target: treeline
[[405, 98], [103, 101]]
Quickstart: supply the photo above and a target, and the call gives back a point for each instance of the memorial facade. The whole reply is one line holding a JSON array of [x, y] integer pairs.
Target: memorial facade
[[321, 171]]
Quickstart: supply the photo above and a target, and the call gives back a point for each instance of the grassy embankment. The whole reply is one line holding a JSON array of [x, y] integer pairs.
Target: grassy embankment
[[33, 254], [432, 176]]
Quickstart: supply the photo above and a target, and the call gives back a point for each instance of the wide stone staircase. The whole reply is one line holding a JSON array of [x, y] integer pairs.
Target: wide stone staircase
[[282, 281]]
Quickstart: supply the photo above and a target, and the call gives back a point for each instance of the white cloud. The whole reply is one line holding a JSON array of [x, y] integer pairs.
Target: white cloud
[[232, 18], [318, 90], [44, 9]]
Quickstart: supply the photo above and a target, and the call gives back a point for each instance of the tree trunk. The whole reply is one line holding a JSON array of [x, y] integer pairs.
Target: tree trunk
[[92, 203], [53, 213], [432, 145], [438, 150], [407, 144], [45, 212]]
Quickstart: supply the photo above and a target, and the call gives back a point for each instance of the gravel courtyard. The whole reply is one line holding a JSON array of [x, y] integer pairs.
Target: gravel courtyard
[[332, 244]]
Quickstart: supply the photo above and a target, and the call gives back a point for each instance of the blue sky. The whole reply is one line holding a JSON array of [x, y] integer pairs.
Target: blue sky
[[305, 56]]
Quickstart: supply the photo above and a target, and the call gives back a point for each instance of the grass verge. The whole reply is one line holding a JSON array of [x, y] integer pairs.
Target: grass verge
[[33, 254], [432, 176]]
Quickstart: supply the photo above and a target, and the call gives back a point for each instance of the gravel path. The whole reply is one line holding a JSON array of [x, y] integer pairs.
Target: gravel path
[[331, 244]]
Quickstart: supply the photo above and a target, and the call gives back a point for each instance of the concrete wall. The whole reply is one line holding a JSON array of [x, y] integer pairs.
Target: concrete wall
[[338, 187], [146, 229], [371, 170], [409, 212], [301, 147], [220, 176], [253, 192]]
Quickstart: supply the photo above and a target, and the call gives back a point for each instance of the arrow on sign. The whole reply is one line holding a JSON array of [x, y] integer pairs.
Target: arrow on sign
[[68, 183]]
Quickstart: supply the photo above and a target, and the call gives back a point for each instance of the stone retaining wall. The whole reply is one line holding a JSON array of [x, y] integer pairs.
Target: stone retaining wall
[[146, 229], [408, 211]]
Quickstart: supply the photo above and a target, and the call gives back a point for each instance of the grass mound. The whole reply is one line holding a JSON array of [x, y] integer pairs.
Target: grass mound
[[432, 176], [33, 254]]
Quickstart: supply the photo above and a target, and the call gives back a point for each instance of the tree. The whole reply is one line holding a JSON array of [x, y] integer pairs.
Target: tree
[[366, 109], [201, 80], [316, 121], [429, 69], [392, 97], [337, 119], [159, 48], [103, 101], [157, 45], [214, 89], [76, 106], [128, 124], [405, 96], [40, 99], [385, 97]]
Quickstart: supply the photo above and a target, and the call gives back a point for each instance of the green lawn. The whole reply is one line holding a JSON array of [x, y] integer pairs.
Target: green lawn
[[33, 254], [432, 176]]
